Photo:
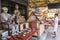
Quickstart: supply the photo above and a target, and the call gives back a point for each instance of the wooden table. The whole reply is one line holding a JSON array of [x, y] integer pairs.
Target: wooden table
[[27, 36]]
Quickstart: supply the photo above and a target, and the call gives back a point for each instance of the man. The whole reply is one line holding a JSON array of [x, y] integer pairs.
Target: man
[[55, 24]]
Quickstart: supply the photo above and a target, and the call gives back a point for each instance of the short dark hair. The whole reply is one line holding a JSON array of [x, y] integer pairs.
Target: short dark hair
[[56, 14]]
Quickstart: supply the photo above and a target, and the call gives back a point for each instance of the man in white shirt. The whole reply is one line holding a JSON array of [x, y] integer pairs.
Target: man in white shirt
[[55, 24]]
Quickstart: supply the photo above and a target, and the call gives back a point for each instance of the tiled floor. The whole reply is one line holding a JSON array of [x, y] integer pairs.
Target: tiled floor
[[50, 37]]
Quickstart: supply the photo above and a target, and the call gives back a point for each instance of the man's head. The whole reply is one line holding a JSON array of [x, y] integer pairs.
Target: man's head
[[5, 9], [56, 15]]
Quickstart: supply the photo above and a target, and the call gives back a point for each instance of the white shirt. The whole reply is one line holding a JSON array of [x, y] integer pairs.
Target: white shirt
[[5, 17], [13, 25], [55, 24], [56, 21]]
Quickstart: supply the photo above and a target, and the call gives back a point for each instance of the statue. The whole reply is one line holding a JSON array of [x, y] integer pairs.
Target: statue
[[5, 16], [17, 13]]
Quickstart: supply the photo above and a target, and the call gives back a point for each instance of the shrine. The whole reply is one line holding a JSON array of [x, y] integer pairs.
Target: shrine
[[29, 19]]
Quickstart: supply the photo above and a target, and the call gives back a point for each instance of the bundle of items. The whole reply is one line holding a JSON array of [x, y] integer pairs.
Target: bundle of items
[[3, 34]]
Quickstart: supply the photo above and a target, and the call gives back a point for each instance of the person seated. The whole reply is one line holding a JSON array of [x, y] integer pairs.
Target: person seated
[[14, 26]]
